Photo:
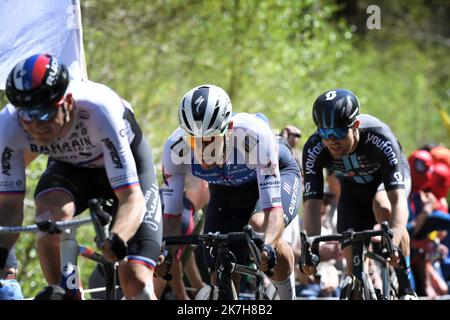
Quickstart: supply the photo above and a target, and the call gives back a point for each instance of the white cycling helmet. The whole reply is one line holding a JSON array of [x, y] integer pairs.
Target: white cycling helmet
[[205, 111]]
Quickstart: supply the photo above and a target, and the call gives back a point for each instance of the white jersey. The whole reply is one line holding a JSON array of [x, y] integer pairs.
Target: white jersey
[[252, 150], [100, 136]]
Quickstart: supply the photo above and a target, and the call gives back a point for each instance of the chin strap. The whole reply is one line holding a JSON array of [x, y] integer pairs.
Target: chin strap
[[66, 115]]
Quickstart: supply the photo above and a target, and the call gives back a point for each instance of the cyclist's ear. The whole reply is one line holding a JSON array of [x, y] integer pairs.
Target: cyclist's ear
[[356, 124]]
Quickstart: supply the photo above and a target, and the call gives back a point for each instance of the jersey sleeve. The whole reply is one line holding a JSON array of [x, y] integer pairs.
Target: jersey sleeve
[[173, 171], [267, 168], [313, 164], [390, 158], [12, 136], [109, 129]]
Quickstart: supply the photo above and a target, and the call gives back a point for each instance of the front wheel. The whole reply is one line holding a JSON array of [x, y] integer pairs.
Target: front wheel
[[211, 292], [352, 289], [270, 292]]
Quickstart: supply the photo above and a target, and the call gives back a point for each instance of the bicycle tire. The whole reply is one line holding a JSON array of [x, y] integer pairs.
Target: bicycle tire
[[352, 289], [368, 288], [270, 292], [211, 292], [393, 284]]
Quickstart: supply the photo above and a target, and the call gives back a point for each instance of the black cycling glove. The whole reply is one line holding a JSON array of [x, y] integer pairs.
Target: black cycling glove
[[272, 255], [118, 246]]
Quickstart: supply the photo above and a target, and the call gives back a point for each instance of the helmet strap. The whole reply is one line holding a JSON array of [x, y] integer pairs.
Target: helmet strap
[[65, 117]]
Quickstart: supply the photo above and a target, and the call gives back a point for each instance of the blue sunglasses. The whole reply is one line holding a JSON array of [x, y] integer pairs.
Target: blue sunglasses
[[337, 133], [42, 114]]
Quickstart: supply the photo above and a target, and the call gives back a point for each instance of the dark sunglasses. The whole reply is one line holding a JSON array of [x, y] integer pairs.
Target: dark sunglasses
[[42, 114], [328, 133], [297, 135]]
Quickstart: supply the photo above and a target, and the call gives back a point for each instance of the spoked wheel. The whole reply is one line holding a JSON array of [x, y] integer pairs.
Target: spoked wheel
[[208, 293], [270, 292], [393, 285], [351, 289], [211, 292]]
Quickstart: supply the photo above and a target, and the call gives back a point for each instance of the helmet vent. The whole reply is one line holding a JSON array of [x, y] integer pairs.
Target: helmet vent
[[214, 116], [186, 122]]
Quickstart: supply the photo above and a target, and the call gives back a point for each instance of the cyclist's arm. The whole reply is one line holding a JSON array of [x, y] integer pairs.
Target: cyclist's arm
[[12, 176], [393, 170], [311, 216], [427, 203], [274, 227], [129, 213], [107, 128], [313, 161], [172, 194], [11, 214], [172, 227], [269, 184], [397, 198]]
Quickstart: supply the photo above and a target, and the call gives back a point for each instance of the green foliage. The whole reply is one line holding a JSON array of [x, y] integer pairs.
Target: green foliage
[[272, 56]]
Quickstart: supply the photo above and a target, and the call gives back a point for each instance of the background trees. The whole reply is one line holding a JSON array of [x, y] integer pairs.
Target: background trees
[[273, 57]]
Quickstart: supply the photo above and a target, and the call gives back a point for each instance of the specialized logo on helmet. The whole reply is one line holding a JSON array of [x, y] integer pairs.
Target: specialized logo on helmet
[[198, 103], [330, 95]]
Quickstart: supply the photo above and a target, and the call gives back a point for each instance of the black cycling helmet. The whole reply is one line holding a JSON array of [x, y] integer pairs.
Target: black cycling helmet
[[335, 108], [37, 82]]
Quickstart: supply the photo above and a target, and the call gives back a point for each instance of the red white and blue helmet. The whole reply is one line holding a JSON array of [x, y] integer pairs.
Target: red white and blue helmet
[[37, 82]]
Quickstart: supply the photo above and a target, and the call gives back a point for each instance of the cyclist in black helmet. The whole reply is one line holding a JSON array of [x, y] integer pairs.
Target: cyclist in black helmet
[[372, 170]]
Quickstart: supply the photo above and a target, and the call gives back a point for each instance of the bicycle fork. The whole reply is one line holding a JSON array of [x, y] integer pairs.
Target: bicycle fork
[[70, 279], [224, 270]]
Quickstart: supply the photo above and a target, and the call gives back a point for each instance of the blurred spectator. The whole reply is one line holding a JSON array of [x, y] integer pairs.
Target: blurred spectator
[[9, 287], [428, 213], [420, 163], [293, 134], [441, 154]]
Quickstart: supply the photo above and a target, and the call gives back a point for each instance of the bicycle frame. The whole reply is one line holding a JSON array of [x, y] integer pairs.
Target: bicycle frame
[[225, 264]]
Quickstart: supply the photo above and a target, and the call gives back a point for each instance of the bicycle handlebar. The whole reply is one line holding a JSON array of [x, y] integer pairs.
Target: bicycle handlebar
[[101, 221], [218, 239], [310, 245], [46, 226], [255, 241]]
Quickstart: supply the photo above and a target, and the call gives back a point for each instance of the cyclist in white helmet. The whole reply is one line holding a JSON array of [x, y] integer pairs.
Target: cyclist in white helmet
[[253, 177]]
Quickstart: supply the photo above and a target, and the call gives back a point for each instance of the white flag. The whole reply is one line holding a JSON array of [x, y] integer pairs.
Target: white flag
[[41, 26]]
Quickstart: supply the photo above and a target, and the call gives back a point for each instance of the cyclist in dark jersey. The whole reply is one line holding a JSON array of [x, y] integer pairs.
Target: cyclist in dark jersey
[[372, 170]]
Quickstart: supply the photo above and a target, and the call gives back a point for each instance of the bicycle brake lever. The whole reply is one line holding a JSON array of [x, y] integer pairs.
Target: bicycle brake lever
[[101, 221], [257, 237], [308, 257]]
